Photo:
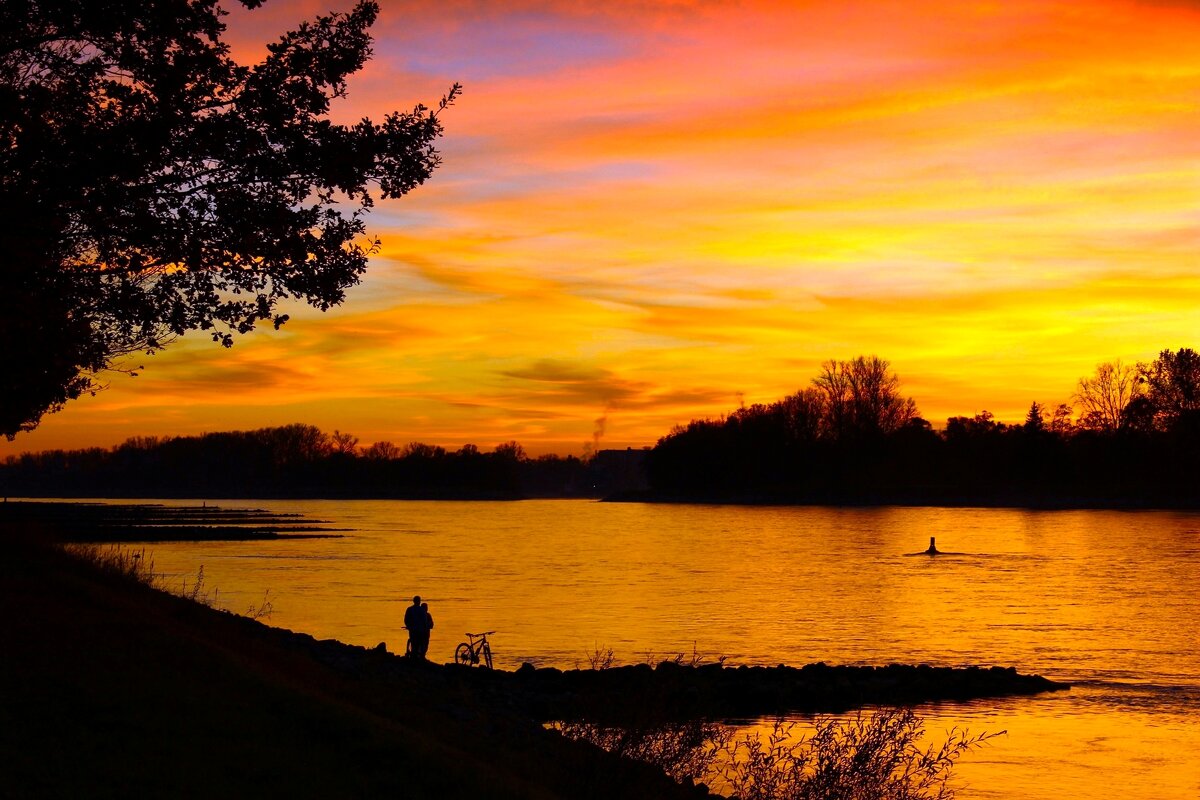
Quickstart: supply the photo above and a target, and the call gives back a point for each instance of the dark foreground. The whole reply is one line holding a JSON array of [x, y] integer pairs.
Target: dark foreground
[[113, 689]]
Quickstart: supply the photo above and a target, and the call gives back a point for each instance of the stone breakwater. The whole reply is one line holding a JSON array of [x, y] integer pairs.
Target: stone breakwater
[[672, 690], [721, 692], [681, 691], [116, 523]]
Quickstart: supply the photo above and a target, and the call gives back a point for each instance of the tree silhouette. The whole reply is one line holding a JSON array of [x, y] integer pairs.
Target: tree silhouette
[[1035, 422], [1106, 394], [151, 185], [1060, 421], [344, 443], [787, 451], [1173, 387], [382, 451], [862, 398], [293, 461]]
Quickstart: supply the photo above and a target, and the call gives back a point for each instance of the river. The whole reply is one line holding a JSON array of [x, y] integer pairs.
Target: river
[[1107, 600]]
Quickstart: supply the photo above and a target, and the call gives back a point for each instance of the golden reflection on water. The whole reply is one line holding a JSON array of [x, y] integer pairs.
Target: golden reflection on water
[[1051, 752], [1106, 598]]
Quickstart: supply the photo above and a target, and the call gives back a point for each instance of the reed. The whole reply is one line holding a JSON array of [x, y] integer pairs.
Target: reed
[[125, 563], [117, 561]]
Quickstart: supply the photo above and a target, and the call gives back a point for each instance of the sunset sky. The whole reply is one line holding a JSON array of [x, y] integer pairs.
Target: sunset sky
[[654, 212]]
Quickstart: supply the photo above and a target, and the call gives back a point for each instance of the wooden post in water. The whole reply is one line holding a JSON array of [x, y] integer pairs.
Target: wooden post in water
[[933, 551]]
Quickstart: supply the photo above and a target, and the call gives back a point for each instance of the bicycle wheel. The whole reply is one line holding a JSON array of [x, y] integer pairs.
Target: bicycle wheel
[[462, 654], [487, 654]]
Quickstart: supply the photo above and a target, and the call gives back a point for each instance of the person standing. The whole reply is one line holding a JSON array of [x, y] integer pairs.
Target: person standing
[[428, 630], [416, 620]]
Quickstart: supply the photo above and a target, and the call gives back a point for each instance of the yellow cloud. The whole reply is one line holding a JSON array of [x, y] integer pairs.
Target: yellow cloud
[[652, 213]]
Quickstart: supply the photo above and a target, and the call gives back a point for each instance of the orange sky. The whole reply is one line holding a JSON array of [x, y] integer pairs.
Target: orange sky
[[652, 212]]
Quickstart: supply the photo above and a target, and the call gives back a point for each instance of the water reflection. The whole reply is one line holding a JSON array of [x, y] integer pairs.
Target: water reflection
[[1106, 598]]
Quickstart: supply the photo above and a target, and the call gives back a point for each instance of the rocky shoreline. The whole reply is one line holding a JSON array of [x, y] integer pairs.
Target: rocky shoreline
[[714, 691], [671, 690]]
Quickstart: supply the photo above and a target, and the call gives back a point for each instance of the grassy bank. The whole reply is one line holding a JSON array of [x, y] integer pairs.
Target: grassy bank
[[114, 689]]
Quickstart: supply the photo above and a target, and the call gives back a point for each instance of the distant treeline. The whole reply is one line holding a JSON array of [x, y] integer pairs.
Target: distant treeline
[[296, 461], [1129, 438]]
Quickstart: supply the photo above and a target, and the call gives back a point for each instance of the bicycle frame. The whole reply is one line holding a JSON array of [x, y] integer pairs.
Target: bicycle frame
[[477, 647]]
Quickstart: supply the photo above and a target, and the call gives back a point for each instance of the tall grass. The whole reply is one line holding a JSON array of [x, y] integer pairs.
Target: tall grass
[[117, 561], [694, 659], [198, 592], [135, 565]]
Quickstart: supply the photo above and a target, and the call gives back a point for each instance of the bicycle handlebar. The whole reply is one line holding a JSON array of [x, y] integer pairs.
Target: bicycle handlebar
[[485, 633]]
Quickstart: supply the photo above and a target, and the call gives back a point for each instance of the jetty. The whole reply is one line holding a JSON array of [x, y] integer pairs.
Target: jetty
[[108, 523]]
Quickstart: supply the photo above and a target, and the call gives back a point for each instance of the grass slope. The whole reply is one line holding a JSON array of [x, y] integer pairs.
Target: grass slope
[[111, 689]]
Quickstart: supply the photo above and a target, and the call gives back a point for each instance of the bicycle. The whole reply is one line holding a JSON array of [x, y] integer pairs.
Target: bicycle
[[468, 653]]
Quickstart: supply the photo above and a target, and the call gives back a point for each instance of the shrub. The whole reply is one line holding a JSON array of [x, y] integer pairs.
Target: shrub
[[875, 756], [686, 750]]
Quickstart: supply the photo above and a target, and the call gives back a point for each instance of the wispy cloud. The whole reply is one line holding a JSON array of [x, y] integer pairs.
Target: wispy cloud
[[649, 210]]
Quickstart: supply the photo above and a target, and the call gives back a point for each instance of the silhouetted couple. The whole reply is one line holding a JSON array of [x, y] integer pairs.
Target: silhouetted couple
[[419, 623]]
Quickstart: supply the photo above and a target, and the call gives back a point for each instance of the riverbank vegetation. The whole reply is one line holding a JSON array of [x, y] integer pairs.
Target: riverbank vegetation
[[294, 461], [1127, 438], [877, 755], [667, 713]]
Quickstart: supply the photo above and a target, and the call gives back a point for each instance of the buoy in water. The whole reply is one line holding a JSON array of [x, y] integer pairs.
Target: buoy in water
[[932, 551]]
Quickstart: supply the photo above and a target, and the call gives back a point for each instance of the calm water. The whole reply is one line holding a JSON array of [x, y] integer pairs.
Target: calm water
[[1107, 600]]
